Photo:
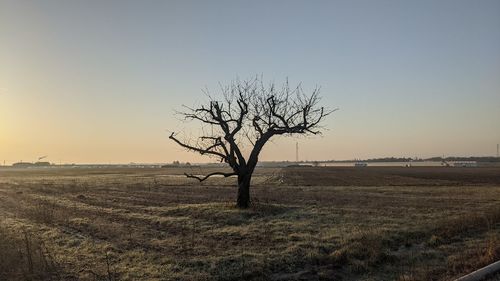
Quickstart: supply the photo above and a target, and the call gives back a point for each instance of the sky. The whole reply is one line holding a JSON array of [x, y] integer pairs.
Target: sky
[[99, 81]]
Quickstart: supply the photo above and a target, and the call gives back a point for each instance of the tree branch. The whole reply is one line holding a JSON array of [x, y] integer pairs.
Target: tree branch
[[202, 151], [209, 175], [251, 113]]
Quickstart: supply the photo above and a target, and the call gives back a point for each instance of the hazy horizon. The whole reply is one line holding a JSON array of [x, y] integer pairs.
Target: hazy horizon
[[98, 81]]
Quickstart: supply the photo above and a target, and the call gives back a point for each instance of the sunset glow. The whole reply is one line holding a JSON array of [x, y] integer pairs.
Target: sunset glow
[[98, 82]]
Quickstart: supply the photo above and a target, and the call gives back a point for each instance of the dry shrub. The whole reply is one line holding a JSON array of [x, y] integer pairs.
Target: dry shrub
[[103, 269], [24, 256], [492, 252], [457, 229], [482, 222], [470, 260], [41, 212], [363, 251], [46, 212]]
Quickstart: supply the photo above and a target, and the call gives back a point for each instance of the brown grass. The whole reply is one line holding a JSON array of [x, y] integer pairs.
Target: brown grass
[[24, 256], [150, 224]]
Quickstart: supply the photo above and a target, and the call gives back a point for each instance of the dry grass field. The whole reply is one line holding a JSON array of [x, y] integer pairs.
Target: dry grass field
[[304, 224]]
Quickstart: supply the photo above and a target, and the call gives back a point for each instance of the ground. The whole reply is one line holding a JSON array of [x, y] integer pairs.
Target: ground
[[307, 223]]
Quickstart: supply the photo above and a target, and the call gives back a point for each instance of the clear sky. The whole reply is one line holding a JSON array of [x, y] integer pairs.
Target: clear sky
[[98, 81]]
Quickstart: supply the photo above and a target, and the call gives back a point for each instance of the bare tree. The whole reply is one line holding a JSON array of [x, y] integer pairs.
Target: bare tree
[[247, 115]]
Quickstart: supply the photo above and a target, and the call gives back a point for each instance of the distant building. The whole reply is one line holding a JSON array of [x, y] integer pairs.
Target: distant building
[[22, 164], [465, 164], [28, 164]]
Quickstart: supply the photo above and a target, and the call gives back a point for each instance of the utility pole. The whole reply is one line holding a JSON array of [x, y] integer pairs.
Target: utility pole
[[498, 152], [297, 152]]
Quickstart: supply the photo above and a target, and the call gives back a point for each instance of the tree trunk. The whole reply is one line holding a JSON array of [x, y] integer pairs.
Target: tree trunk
[[243, 200]]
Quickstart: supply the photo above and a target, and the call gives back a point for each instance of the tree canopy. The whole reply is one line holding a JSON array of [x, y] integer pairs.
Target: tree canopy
[[247, 114]]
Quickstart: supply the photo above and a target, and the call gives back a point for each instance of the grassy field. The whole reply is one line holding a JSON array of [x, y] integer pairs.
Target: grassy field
[[374, 223]]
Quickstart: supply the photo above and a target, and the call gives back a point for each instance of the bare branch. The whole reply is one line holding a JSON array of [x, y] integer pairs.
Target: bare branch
[[202, 151], [250, 113], [203, 178]]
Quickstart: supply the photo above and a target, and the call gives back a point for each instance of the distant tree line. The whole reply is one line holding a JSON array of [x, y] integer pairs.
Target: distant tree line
[[472, 158], [408, 159]]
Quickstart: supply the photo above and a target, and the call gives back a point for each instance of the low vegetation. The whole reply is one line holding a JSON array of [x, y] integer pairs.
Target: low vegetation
[[24, 256], [304, 224]]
